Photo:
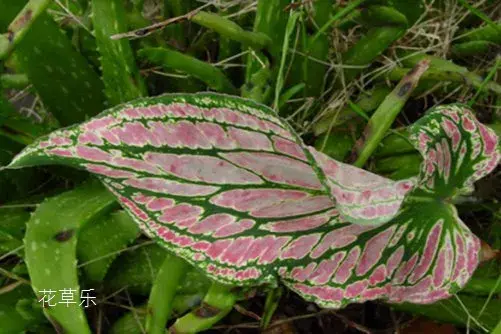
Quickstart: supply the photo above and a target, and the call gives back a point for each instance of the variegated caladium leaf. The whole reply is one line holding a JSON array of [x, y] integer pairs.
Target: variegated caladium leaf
[[228, 186]]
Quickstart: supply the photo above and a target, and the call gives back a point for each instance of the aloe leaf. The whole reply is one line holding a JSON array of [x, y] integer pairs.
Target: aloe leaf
[[50, 248], [394, 143], [74, 91], [486, 33], [22, 23], [228, 186], [19, 183], [377, 16], [136, 270], [471, 48], [120, 74], [99, 243], [370, 46], [336, 144]]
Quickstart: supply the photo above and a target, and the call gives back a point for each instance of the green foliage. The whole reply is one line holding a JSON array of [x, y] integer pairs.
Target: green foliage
[[210, 75], [99, 243], [74, 91], [50, 247], [120, 75], [332, 70]]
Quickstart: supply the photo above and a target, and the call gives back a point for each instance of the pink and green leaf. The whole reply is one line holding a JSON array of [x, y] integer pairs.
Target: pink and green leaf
[[228, 186]]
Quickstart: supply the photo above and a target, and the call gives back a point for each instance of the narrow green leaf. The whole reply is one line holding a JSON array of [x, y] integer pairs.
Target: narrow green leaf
[[232, 30], [370, 46], [121, 77], [170, 59], [22, 23], [289, 29], [99, 243], [136, 270], [271, 19], [50, 247], [386, 113], [74, 91]]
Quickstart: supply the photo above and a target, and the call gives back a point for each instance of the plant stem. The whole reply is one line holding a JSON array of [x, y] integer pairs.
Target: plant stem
[[218, 302], [488, 78], [162, 293], [384, 116], [270, 306]]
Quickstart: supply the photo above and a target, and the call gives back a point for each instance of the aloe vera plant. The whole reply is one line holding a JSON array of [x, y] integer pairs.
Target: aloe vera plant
[[228, 186]]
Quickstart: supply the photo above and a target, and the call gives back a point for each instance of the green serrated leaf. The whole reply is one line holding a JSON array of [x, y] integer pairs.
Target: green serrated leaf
[[99, 243], [74, 91], [50, 248], [137, 270], [121, 77]]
